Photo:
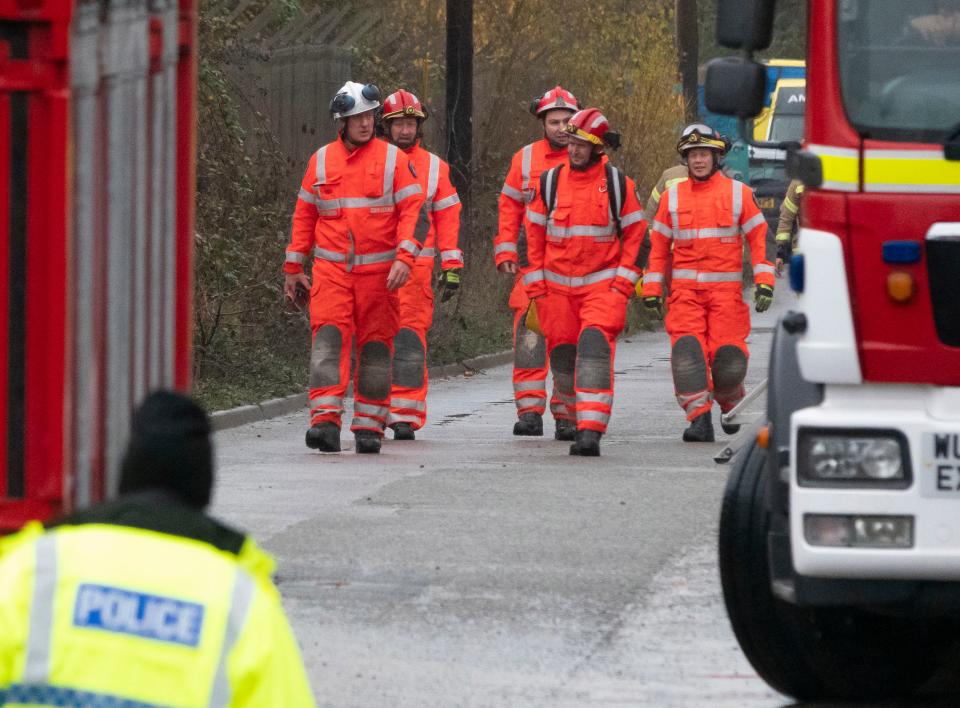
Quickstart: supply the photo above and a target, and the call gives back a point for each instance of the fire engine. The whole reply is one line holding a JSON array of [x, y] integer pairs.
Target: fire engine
[[840, 527], [97, 115]]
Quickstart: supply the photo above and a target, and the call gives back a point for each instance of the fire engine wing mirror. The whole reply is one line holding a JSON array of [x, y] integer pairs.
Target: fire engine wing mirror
[[745, 24], [735, 86]]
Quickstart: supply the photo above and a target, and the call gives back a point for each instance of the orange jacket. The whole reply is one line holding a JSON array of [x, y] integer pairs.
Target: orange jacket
[[519, 190], [578, 246], [358, 209], [706, 223], [443, 208]]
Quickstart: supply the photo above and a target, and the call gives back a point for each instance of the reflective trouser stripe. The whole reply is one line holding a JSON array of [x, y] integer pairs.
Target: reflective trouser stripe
[[368, 409], [693, 403], [408, 403], [531, 401], [37, 666], [531, 386], [593, 416], [240, 601], [365, 421], [327, 402], [605, 399], [394, 418], [729, 398]]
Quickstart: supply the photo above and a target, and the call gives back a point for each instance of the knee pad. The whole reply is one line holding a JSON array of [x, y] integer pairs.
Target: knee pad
[[325, 357], [373, 380], [563, 358], [408, 359], [729, 367], [530, 348], [689, 365], [593, 360]]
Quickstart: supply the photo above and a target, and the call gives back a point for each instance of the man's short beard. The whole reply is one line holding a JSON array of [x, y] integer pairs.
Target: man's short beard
[[555, 147], [594, 159]]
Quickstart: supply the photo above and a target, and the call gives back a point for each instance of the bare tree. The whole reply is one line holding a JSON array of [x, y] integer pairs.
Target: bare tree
[[688, 50]]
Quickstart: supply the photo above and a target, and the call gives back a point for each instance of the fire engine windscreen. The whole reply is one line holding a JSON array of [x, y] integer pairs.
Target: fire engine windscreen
[[900, 67]]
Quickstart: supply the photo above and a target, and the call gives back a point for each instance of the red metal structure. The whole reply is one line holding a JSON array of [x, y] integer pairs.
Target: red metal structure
[[97, 130]]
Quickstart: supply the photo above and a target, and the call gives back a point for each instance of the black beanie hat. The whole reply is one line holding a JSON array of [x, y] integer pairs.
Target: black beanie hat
[[169, 449]]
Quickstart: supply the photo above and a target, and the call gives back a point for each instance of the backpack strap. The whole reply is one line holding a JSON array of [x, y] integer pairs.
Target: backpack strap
[[616, 187], [548, 188]]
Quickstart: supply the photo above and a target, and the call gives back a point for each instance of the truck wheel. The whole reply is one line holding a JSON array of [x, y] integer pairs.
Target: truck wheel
[[837, 653]]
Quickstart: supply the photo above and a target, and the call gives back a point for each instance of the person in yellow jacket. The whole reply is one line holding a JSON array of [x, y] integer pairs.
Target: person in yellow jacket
[[145, 600]]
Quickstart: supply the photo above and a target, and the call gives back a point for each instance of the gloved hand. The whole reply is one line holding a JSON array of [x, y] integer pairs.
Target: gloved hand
[[639, 287], [655, 303], [449, 283], [532, 320], [762, 298]]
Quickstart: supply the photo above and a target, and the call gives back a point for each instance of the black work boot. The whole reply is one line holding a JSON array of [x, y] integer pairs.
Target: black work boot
[[700, 430], [324, 437], [403, 431], [368, 442], [729, 428], [565, 430], [587, 443], [529, 424]]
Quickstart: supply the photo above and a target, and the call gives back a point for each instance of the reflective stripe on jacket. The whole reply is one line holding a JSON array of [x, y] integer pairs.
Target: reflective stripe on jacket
[[519, 190], [443, 208], [577, 245], [99, 614], [361, 206], [706, 222]]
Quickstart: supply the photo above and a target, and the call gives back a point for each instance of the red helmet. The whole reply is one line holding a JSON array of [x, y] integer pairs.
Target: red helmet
[[591, 125], [557, 97], [402, 104]]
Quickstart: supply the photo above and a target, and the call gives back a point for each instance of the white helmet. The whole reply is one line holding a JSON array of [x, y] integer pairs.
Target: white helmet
[[353, 99]]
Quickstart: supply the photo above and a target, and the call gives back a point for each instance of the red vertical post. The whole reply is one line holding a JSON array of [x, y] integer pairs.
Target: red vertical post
[[186, 187]]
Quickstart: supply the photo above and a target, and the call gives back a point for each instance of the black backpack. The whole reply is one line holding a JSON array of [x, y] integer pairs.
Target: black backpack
[[615, 179]]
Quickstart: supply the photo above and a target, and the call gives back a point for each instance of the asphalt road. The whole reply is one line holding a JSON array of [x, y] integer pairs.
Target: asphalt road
[[472, 568]]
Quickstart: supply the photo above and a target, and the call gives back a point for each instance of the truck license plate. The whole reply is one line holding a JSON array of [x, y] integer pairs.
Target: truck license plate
[[940, 460]]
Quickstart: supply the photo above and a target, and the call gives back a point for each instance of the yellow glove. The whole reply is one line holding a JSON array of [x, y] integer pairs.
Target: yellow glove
[[532, 321], [638, 288]]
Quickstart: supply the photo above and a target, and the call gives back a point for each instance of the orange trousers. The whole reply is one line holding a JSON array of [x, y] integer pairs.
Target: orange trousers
[[582, 330], [345, 307], [708, 331], [408, 395], [530, 364]]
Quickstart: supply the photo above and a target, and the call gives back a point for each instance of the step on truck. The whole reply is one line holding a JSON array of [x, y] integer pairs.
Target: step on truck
[[839, 541]]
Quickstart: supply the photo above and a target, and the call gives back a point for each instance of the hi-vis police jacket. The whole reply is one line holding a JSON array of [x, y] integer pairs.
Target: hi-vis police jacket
[[358, 209], [105, 614]]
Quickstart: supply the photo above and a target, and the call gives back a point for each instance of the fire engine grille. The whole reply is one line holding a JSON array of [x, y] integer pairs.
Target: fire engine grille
[[943, 269]]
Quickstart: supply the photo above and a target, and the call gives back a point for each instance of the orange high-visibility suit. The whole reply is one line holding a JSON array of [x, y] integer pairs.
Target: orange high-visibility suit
[[408, 397], [586, 272], [708, 321], [529, 349], [356, 214]]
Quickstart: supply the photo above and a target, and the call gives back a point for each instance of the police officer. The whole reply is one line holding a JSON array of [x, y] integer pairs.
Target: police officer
[[146, 600]]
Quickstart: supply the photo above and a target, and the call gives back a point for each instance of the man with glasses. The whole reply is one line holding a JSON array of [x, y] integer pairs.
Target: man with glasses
[[356, 214]]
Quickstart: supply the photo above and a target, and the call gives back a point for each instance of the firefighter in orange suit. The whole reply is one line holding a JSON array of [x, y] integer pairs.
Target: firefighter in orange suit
[[554, 109], [583, 240], [705, 219], [356, 215], [403, 116]]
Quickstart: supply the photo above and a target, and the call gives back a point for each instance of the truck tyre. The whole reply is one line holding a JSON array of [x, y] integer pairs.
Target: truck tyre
[[822, 653]]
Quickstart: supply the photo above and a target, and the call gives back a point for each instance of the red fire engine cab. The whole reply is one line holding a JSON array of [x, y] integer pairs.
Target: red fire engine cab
[[97, 115], [840, 527]]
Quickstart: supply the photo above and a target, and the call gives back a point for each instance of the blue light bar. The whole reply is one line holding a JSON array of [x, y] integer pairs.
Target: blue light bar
[[901, 252]]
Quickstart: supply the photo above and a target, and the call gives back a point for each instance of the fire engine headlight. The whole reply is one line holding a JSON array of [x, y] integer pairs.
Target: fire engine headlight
[[853, 458]]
